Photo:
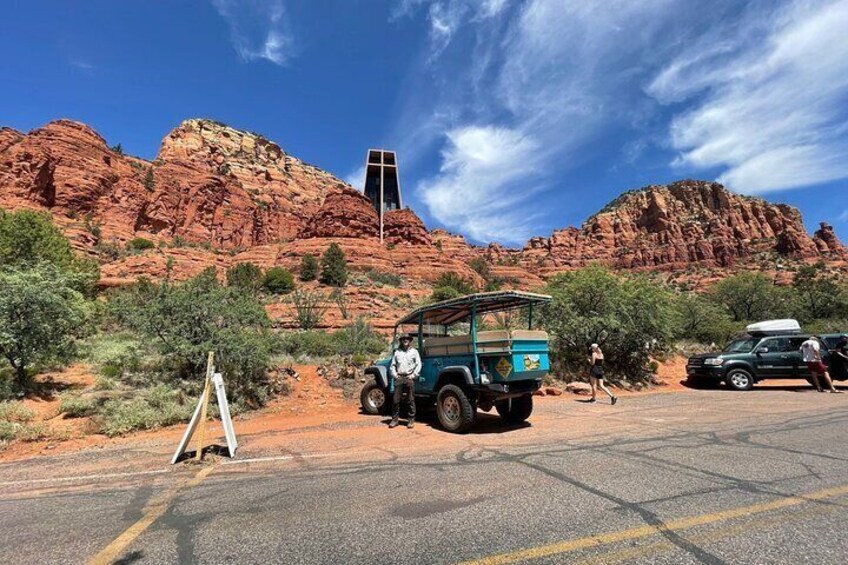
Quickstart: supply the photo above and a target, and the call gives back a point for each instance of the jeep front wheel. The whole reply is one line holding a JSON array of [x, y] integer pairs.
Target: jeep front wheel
[[740, 379], [516, 410], [374, 399], [454, 409]]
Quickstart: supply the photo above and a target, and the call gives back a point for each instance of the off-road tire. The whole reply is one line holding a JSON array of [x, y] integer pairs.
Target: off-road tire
[[519, 411], [370, 396], [739, 379], [454, 409]]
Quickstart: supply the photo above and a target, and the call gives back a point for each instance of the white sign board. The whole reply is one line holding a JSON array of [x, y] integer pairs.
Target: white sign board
[[192, 425], [224, 409], [226, 420]]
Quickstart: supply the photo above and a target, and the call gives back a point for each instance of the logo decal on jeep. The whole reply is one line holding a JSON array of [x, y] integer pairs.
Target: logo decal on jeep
[[504, 367]]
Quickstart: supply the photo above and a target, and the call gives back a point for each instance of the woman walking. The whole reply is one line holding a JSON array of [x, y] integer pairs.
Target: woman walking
[[596, 374]]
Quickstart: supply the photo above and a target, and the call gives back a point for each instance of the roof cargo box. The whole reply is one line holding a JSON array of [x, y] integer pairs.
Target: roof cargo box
[[774, 327]]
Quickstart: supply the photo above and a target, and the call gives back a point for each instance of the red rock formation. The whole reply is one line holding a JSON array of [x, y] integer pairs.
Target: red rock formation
[[679, 224], [215, 196]]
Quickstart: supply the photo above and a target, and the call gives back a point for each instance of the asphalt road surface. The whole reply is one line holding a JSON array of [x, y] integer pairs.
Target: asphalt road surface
[[694, 477]]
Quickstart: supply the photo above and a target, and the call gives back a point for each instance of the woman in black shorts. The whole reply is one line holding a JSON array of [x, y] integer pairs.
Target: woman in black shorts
[[596, 373]]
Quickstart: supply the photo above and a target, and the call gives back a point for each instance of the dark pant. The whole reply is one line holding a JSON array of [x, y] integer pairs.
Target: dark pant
[[404, 384]]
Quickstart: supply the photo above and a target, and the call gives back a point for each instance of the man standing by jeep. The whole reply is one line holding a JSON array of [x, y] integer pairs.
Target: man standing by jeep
[[404, 369], [811, 351]]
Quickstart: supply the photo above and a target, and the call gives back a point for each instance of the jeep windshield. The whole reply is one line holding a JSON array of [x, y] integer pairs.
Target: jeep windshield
[[741, 345]]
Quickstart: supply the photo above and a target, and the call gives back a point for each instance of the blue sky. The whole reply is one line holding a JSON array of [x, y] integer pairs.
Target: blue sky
[[511, 117]]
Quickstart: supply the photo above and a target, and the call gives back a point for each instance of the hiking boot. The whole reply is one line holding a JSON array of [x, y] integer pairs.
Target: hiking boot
[[393, 424], [614, 400], [410, 425]]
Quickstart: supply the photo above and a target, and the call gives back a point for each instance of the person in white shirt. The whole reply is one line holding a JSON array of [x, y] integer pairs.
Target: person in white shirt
[[404, 369], [811, 352]]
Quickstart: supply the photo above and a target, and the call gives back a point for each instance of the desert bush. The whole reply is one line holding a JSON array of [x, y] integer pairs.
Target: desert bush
[[41, 316], [28, 239], [149, 181], [481, 267], [15, 412], [339, 298], [278, 281], [77, 406], [334, 266], [309, 307], [154, 407], [308, 268], [630, 318], [245, 276], [456, 282], [140, 244], [702, 320], [359, 338], [441, 293], [751, 296], [389, 279], [185, 321]]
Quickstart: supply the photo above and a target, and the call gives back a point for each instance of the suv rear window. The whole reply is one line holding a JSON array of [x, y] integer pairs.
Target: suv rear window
[[742, 345]]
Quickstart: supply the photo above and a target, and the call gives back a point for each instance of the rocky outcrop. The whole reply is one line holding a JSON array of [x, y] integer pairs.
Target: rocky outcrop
[[215, 196], [687, 222]]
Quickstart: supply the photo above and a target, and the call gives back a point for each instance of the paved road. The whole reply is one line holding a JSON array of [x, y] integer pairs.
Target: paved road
[[695, 477]]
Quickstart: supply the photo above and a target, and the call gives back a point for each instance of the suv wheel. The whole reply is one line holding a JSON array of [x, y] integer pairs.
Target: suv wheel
[[374, 399], [455, 411], [516, 410], [740, 379]]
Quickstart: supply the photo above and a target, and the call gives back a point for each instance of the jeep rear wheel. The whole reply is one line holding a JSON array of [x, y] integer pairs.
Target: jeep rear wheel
[[455, 411], [374, 399], [516, 410], [740, 379]]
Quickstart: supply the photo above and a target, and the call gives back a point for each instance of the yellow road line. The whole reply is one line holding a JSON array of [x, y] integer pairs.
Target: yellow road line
[[645, 531], [152, 512], [628, 554]]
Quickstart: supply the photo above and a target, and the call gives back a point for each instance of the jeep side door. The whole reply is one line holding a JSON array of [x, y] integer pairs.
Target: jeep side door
[[773, 358]]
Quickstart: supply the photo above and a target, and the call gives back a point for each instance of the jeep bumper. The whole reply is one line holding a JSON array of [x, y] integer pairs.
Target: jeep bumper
[[504, 391]]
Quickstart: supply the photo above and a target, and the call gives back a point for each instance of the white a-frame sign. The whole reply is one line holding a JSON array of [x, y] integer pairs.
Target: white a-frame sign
[[215, 380]]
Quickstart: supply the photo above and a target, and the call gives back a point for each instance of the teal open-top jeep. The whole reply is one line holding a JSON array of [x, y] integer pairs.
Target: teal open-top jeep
[[465, 368]]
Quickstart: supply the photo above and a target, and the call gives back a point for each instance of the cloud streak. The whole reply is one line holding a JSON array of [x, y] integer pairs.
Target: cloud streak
[[753, 92], [773, 117], [258, 29]]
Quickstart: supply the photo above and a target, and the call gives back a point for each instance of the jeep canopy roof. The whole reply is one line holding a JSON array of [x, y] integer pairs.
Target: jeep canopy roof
[[456, 309]]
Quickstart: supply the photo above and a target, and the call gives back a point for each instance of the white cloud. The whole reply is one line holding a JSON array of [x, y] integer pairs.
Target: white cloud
[[486, 174], [774, 114], [756, 91], [258, 29], [82, 65]]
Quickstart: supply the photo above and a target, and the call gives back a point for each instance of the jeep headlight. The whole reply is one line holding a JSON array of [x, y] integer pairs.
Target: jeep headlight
[[714, 362]]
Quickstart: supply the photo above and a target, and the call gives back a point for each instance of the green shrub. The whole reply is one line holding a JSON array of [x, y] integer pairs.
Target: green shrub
[[30, 238], [389, 279], [278, 281], [76, 406], [308, 268], [456, 282], [334, 266], [309, 307], [149, 181], [631, 318], [41, 315], [140, 244], [245, 276], [751, 296], [15, 412], [704, 321], [185, 321], [441, 293], [481, 267], [23, 432], [357, 339], [310, 343], [153, 408]]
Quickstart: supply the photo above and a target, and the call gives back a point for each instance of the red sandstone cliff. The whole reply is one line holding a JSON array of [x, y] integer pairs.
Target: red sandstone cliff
[[215, 196]]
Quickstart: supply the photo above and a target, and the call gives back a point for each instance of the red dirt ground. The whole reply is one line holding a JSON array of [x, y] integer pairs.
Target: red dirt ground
[[313, 403]]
